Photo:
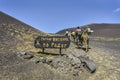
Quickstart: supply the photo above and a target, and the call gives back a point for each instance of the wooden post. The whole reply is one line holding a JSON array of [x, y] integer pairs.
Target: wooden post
[[43, 50], [60, 51]]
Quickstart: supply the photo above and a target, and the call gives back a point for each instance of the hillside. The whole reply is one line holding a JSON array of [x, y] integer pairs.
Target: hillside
[[101, 30], [17, 37]]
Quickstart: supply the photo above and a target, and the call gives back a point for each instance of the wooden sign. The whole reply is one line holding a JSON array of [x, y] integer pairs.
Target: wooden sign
[[52, 42]]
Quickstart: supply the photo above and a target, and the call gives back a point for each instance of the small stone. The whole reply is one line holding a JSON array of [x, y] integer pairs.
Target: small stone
[[37, 61], [43, 60], [28, 56], [48, 61], [23, 53]]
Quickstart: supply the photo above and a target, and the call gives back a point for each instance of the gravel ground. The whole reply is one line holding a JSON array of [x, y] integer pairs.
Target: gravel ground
[[106, 55]]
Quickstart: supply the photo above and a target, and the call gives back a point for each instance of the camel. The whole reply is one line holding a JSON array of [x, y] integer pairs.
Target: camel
[[82, 39], [85, 40]]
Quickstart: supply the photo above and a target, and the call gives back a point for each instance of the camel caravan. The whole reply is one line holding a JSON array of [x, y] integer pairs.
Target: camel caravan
[[80, 37]]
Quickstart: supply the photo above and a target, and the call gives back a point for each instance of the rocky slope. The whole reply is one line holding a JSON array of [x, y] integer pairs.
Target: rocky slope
[[17, 37], [105, 44]]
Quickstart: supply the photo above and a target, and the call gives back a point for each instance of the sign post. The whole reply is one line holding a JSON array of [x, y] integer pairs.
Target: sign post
[[56, 42]]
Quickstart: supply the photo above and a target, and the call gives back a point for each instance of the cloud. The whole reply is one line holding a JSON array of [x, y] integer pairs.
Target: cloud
[[117, 10]]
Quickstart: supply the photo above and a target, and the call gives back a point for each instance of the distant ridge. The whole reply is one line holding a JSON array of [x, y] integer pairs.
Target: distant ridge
[[107, 30]]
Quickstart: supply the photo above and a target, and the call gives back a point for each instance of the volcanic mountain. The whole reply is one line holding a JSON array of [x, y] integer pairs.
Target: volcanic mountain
[[107, 30]]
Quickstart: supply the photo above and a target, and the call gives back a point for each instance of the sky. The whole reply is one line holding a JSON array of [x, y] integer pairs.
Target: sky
[[50, 16]]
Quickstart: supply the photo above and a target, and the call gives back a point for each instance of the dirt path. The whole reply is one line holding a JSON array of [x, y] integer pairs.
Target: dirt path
[[106, 55]]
